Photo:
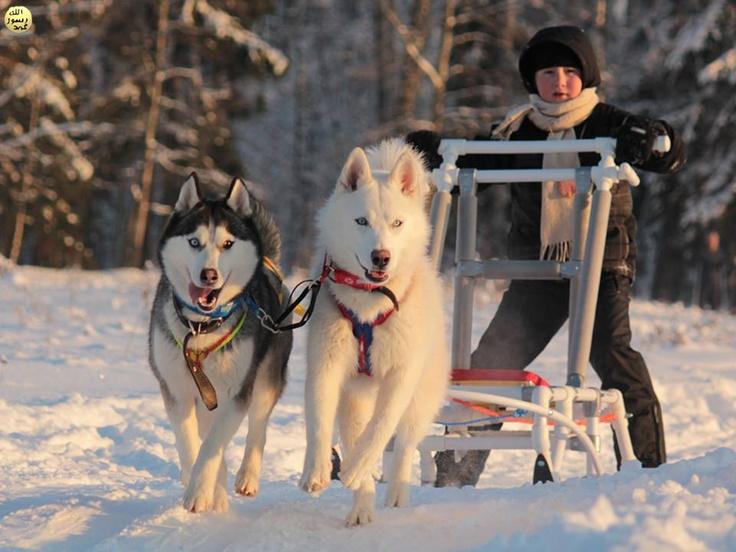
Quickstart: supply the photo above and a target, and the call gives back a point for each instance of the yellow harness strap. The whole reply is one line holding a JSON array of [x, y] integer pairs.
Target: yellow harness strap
[[276, 271]]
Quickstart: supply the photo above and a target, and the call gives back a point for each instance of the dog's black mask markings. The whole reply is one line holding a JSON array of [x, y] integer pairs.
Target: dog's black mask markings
[[218, 213]]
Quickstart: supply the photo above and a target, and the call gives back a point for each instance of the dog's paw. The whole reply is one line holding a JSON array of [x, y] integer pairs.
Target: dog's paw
[[318, 478], [354, 471], [246, 484], [361, 514], [220, 502], [397, 495], [199, 499], [185, 477], [315, 482]]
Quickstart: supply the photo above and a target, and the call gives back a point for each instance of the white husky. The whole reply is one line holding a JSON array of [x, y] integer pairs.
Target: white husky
[[377, 354]]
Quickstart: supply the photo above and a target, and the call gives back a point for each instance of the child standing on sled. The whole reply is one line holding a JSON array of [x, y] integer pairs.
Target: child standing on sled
[[559, 69]]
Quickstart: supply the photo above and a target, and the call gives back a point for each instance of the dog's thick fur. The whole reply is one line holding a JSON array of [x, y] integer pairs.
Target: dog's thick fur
[[377, 205], [232, 237]]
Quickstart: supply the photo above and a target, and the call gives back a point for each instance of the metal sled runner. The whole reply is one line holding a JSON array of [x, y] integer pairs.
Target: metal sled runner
[[502, 397]]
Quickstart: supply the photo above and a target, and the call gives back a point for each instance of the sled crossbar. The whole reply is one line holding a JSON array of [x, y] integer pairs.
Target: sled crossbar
[[517, 270]]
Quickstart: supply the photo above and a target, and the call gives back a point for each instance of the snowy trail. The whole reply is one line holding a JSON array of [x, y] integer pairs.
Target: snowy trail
[[87, 460]]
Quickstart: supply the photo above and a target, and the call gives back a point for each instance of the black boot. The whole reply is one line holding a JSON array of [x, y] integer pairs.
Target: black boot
[[459, 474], [647, 438], [468, 470]]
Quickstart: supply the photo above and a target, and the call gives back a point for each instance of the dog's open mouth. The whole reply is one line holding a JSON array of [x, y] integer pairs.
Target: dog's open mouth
[[376, 276], [204, 298]]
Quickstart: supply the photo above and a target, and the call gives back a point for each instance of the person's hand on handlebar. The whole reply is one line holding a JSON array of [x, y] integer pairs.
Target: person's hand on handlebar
[[566, 188], [638, 139]]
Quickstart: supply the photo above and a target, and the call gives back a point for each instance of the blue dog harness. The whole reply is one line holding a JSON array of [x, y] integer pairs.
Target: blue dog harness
[[363, 332], [222, 311]]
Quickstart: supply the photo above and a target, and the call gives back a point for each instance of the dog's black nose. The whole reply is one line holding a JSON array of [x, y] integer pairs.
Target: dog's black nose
[[208, 276], [380, 258]]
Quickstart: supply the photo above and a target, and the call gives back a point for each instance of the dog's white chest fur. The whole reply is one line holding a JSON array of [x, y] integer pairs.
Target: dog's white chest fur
[[226, 368]]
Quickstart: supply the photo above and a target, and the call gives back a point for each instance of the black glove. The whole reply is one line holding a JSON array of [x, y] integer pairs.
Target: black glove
[[427, 143], [635, 138]]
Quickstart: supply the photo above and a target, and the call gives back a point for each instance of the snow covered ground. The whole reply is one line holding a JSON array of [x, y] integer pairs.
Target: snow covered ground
[[87, 460]]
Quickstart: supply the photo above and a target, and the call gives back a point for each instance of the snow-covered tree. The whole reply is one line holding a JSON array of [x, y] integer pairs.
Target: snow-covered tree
[[47, 170], [677, 60], [111, 104]]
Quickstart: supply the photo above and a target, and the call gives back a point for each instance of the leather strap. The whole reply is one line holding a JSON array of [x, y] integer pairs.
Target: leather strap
[[194, 360]]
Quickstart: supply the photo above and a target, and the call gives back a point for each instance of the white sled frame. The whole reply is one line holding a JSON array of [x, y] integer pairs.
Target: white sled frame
[[554, 403]]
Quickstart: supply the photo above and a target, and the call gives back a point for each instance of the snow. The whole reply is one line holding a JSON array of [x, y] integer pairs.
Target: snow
[[87, 458]]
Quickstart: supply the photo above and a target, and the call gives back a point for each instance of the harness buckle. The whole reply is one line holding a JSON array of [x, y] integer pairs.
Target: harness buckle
[[195, 355], [329, 273], [266, 321]]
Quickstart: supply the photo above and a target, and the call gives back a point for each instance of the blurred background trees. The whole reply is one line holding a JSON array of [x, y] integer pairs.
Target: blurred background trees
[[108, 105]]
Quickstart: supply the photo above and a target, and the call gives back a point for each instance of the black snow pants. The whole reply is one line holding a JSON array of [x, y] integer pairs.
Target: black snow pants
[[530, 314]]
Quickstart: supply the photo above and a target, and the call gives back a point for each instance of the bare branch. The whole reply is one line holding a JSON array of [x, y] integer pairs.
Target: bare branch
[[84, 127], [410, 45], [183, 72], [226, 26]]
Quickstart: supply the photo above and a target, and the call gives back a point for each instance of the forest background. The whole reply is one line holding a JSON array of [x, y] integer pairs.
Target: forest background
[[107, 105]]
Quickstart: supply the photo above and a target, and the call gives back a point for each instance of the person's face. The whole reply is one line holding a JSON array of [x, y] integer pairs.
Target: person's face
[[558, 84]]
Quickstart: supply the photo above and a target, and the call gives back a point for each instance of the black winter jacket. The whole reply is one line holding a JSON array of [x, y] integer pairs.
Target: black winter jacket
[[526, 198]]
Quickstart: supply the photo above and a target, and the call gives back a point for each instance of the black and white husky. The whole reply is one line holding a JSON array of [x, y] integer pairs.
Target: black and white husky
[[213, 359]]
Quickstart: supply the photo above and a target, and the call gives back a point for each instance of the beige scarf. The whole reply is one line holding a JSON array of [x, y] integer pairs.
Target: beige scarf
[[559, 119]]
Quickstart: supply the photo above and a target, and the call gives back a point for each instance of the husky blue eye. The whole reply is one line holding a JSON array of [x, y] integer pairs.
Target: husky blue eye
[[361, 221], [228, 244], [194, 242], [397, 223]]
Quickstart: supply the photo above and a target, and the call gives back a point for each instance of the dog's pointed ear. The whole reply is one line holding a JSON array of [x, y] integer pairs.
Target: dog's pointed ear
[[406, 174], [356, 171], [189, 195], [238, 198]]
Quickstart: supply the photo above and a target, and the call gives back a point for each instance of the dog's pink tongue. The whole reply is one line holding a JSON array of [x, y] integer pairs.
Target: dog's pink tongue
[[197, 293], [377, 275]]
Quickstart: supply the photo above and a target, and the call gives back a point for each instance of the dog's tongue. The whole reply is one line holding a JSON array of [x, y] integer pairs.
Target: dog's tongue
[[198, 294], [377, 275]]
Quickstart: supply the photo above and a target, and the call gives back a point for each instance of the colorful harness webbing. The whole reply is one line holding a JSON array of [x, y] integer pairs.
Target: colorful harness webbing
[[363, 332]]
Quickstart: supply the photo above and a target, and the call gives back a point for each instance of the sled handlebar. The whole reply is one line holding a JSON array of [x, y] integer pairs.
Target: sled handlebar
[[605, 174]]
